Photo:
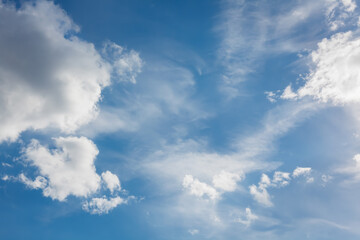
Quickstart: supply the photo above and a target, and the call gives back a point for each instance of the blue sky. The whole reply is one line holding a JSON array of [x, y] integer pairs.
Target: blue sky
[[180, 119]]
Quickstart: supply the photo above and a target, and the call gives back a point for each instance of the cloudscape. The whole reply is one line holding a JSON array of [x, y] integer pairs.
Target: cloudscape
[[219, 119]]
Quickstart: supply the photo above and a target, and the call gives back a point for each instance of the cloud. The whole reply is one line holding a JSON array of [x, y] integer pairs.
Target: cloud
[[288, 93], [227, 181], [260, 193], [39, 182], [301, 171], [163, 95], [248, 218], [68, 169], [350, 5], [280, 179], [102, 205], [271, 96], [341, 13], [222, 182], [199, 189], [126, 65], [111, 180], [252, 31], [336, 76], [48, 76]]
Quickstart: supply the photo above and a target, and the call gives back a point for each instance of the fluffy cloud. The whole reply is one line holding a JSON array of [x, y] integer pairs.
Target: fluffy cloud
[[102, 205], [301, 171], [67, 169], [111, 180], [260, 193], [336, 75], [222, 182], [280, 179], [48, 76], [199, 189], [226, 181]]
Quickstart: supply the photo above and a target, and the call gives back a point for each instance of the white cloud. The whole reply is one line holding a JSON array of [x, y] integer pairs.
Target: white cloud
[[248, 218], [301, 171], [350, 5], [48, 76], [39, 182], [126, 65], [226, 181], [164, 90], [281, 178], [261, 195], [340, 13], [102, 205], [199, 189], [271, 96], [336, 75], [288, 93], [111, 180], [69, 169]]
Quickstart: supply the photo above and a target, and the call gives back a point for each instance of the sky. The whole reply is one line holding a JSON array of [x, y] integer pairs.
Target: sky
[[227, 119]]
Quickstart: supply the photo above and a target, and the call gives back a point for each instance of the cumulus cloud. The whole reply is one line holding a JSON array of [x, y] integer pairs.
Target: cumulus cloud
[[199, 189], [226, 181], [288, 93], [111, 180], [259, 193], [68, 169], [340, 13], [222, 182], [301, 171], [336, 75], [48, 76], [102, 205], [281, 178]]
